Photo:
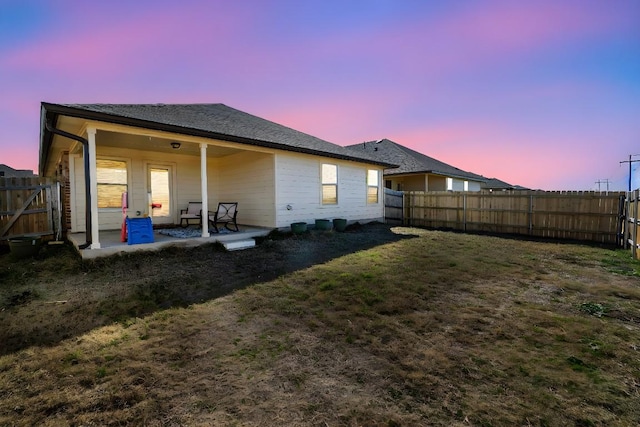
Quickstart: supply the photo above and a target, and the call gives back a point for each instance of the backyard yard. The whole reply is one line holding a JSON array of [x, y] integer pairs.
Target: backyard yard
[[377, 326]]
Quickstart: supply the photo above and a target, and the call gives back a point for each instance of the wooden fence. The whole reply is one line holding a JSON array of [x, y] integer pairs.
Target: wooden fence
[[589, 216], [631, 230], [29, 207], [393, 206]]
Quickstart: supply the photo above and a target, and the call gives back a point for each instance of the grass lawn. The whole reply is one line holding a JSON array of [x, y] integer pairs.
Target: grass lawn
[[377, 327]]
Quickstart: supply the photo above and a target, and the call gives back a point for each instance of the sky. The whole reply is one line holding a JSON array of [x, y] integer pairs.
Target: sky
[[543, 94]]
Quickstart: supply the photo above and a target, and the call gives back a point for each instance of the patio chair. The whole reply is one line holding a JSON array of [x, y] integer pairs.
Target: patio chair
[[193, 211], [226, 214]]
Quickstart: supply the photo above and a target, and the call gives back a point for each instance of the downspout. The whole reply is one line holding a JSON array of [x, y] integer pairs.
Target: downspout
[[87, 187]]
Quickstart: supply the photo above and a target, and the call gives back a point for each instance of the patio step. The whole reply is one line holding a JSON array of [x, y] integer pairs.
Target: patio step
[[237, 245]]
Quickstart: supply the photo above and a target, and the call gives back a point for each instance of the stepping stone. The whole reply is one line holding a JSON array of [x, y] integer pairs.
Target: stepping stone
[[237, 245]]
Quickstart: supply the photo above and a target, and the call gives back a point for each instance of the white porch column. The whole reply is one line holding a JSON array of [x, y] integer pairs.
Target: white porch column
[[203, 186], [93, 180]]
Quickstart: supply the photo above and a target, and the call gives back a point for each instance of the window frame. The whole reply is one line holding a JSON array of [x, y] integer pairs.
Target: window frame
[[371, 186], [103, 184], [324, 185]]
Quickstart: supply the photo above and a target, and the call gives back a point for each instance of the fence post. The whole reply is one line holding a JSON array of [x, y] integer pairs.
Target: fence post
[[531, 213], [634, 237], [620, 224], [407, 208], [464, 211]]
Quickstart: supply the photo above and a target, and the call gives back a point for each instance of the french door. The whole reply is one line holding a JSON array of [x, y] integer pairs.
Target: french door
[[160, 191]]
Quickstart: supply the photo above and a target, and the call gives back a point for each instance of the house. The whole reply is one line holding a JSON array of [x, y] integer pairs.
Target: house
[[416, 171], [163, 156], [9, 172]]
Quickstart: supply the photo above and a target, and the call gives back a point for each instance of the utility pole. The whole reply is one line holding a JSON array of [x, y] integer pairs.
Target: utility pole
[[630, 162], [603, 181]]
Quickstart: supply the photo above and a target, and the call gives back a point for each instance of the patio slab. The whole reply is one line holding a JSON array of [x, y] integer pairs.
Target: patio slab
[[110, 243]]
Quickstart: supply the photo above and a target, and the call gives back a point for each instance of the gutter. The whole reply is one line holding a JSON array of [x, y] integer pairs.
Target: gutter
[[87, 187]]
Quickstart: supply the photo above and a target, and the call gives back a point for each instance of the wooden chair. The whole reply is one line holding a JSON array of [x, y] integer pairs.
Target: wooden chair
[[226, 214], [193, 211]]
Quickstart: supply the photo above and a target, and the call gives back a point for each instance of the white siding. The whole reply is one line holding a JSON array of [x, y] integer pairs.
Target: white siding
[[187, 174], [429, 182], [474, 186], [298, 185], [263, 184], [76, 181], [246, 178]]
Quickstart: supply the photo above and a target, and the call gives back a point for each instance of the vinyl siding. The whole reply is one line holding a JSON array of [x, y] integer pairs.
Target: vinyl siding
[[298, 184], [187, 176], [263, 184], [246, 178]]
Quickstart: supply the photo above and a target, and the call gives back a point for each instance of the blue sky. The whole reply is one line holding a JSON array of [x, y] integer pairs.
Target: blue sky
[[544, 94]]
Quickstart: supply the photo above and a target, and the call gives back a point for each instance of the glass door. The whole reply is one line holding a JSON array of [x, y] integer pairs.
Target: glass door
[[160, 200]]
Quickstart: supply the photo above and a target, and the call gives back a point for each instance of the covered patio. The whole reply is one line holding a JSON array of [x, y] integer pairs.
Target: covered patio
[[111, 243]]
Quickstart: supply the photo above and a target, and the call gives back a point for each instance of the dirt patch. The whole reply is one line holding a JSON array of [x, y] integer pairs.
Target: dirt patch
[[63, 296]]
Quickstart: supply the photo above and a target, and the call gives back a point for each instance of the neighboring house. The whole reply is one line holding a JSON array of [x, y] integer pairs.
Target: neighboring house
[[494, 184], [9, 172], [167, 155], [416, 171]]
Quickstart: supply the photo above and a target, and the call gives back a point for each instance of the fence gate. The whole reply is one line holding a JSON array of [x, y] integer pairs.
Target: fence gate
[[393, 206], [29, 207]]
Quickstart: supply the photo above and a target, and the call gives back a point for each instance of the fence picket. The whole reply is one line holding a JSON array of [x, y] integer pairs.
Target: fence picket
[[26, 207], [590, 216]]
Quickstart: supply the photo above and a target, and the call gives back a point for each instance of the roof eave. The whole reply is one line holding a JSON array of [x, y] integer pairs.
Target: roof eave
[[57, 109]]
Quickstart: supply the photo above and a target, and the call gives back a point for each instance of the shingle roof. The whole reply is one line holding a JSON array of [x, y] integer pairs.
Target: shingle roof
[[9, 172], [410, 161], [210, 120], [496, 184]]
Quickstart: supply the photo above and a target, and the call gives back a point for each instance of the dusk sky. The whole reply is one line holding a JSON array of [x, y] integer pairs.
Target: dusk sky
[[544, 94]]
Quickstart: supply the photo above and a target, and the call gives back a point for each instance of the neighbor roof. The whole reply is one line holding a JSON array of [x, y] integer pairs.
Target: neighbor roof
[[496, 184], [206, 120], [9, 172], [410, 161]]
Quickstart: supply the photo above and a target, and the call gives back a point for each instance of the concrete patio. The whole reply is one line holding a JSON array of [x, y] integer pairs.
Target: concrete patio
[[111, 243]]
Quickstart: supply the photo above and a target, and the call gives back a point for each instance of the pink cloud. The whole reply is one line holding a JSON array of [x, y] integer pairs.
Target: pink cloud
[[117, 46], [549, 162], [345, 118]]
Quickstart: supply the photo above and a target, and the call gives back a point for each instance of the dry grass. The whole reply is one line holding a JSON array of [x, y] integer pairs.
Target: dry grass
[[429, 328]]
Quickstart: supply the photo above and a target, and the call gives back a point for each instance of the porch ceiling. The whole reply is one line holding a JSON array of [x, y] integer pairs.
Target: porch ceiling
[[152, 143], [132, 141]]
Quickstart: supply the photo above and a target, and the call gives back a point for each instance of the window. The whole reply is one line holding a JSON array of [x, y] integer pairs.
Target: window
[[372, 186], [112, 182], [329, 184]]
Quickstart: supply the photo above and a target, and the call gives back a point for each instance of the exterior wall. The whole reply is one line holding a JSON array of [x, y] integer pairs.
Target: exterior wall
[[263, 184], [63, 176], [76, 193], [249, 179], [437, 183], [186, 174], [413, 183], [408, 183], [298, 185], [428, 182], [474, 186]]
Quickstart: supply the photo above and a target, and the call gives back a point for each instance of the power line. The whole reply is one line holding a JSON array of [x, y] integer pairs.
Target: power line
[[630, 162], [603, 181]]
